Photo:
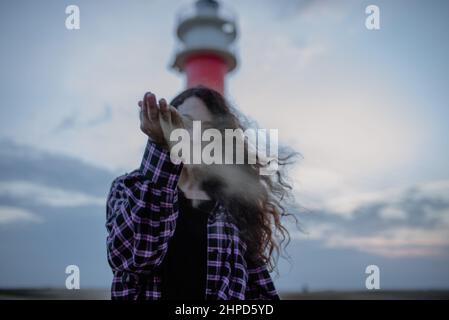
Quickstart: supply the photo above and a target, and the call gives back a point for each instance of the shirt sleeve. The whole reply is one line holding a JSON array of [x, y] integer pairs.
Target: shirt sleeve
[[141, 212], [260, 286]]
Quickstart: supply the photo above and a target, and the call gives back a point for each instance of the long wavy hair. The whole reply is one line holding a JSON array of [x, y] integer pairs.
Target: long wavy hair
[[256, 202]]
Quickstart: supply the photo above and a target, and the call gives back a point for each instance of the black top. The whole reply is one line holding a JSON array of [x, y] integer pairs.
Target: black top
[[184, 268]]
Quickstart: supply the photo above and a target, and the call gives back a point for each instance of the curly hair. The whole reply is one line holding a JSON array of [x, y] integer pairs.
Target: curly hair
[[255, 201]]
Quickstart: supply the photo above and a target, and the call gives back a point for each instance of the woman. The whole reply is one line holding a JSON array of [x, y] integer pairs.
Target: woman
[[182, 231]]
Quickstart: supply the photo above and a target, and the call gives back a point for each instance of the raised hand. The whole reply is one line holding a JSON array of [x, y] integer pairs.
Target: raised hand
[[149, 119]]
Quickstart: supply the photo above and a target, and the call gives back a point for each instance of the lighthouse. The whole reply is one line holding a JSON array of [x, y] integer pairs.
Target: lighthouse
[[205, 52]]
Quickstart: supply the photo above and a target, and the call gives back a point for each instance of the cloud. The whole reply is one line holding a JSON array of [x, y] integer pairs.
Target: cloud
[[32, 168], [298, 56], [423, 194], [67, 123], [105, 116], [52, 211], [73, 121], [35, 183], [12, 214], [44, 195], [411, 221], [396, 242], [312, 10], [392, 212]]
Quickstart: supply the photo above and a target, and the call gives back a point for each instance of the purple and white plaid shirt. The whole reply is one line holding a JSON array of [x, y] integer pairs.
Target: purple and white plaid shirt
[[141, 213]]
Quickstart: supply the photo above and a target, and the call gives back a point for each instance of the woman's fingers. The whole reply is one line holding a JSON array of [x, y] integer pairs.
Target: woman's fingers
[[151, 118], [144, 112], [162, 103], [144, 121], [164, 110], [152, 107], [176, 118], [145, 98], [150, 102], [144, 107]]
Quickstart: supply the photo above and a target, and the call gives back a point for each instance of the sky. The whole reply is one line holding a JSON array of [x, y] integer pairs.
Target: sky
[[368, 111]]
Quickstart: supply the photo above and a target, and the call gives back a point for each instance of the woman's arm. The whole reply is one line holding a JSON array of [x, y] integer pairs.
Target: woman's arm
[[260, 286], [142, 212]]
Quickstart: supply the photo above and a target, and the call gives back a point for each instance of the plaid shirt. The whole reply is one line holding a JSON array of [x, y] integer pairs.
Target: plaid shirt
[[142, 208]]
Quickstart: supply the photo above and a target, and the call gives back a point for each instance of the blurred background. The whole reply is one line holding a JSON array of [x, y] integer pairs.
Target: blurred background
[[367, 109]]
